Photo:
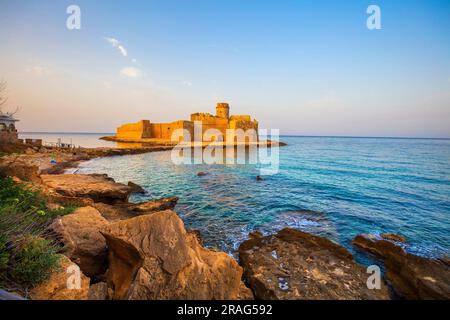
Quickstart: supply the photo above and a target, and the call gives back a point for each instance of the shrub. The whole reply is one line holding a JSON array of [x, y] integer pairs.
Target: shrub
[[26, 257], [34, 261]]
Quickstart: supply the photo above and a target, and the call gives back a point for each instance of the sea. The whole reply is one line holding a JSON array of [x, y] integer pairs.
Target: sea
[[336, 187]]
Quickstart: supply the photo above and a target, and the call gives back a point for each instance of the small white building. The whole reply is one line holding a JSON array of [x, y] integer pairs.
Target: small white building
[[8, 131]]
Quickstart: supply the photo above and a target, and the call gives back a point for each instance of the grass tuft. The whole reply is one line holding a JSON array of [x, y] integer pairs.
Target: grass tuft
[[27, 253]]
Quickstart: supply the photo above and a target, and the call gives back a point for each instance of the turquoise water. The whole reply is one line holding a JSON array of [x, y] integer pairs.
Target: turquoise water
[[335, 187]]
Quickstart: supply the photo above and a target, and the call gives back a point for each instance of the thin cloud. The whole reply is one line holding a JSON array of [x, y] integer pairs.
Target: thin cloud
[[39, 70], [131, 72], [116, 44], [186, 83]]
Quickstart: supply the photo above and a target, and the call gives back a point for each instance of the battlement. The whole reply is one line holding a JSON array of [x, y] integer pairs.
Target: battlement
[[222, 121]]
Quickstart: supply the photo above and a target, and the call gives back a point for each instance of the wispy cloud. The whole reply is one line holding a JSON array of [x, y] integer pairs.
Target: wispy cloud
[[186, 83], [116, 44], [131, 72], [39, 70]]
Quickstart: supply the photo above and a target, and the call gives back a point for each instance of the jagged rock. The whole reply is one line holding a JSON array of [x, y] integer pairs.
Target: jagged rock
[[98, 291], [393, 237], [153, 257], [84, 244], [97, 187], [245, 293], [129, 210], [56, 198], [153, 205], [411, 276], [296, 265], [20, 170], [197, 235], [135, 188], [255, 234], [56, 287]]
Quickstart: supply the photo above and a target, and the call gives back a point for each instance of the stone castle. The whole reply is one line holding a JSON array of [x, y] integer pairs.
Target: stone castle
[[144, 129]]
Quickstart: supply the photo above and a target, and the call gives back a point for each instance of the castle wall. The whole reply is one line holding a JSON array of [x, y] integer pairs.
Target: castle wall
[[144, 129], [241, 122], [211, 122], [134, 131], [165, 130]]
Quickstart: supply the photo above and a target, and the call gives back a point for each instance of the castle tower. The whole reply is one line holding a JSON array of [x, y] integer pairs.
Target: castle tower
[[223, 110]]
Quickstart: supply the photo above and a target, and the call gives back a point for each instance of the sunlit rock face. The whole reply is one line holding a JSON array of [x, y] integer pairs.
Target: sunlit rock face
[[154, 257], [296, 265]]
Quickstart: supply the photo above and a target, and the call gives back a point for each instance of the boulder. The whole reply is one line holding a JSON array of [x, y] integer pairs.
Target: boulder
[[63, 284], [129, 210], [411, 276], [83, 242], [393, 237], [98, 291], [97, 187], [19, 169], [135, 188], [296, 265], [153, 257], [153, 205], [202, 174]]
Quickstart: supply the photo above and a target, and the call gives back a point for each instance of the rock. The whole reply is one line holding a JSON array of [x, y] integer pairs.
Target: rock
[[393, 237], [30, 151], [54, 206], [113, 212], [255, 234], [445, 260], [97, 187], [411, 276], [197, 235], [135, 188], [202, 174], [58, 199], [130, 210], [153, 257], [56, 287], [20, 170], [245, 293], [98, 291], [154, 205], [83, 242], [296, 265]]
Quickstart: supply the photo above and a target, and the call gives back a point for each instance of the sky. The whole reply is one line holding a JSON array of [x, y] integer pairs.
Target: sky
[[304, 67]]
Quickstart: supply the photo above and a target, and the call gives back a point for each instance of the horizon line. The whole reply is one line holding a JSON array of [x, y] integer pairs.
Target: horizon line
[[282, 135]]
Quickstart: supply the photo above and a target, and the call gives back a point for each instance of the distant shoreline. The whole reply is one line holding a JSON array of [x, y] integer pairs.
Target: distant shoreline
[[283, 135]]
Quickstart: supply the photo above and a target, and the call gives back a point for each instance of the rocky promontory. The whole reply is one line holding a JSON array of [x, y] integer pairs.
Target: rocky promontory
[[411, 276], [154, 257], [296, 265]]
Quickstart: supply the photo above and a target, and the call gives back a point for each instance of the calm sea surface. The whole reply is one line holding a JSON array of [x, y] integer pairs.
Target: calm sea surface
[[87, 140], [334, 187]]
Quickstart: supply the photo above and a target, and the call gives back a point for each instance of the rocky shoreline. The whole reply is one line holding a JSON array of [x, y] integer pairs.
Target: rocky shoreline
[[143, 251]]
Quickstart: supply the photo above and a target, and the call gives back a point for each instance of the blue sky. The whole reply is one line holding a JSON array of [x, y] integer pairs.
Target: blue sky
[[305, 67]]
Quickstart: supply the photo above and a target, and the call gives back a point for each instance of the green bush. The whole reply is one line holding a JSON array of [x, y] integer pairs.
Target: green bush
[[34, 261], [26, 257]]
